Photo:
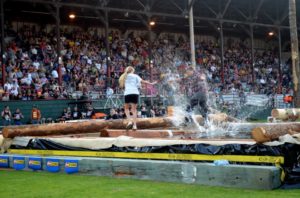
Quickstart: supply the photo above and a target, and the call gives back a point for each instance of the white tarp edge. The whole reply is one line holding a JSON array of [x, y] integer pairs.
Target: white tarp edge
[[124, 141]]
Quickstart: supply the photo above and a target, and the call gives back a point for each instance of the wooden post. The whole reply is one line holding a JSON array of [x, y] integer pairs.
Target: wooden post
[[294, 51], [58, 45], [2, 43]]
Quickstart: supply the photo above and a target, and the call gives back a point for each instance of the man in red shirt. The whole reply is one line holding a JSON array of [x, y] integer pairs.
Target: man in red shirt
[[35, 115]]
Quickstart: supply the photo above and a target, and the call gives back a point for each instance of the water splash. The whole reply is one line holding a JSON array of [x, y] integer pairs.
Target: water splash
[[171, 86]]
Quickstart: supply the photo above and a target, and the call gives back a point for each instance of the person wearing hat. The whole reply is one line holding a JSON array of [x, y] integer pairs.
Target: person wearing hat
[[35, 115]]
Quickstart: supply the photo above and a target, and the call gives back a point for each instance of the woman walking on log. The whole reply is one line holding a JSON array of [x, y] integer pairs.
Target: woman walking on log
[[131, 82]]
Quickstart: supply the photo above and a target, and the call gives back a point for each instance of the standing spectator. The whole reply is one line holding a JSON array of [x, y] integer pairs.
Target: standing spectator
[[6, 116], [35, 115], [17, 116], [109, 92], [131, 82]]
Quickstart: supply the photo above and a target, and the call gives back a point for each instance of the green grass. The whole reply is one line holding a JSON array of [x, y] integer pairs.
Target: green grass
[[42, 185]]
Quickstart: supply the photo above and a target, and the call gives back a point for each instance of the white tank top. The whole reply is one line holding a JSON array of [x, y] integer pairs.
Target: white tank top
[[132, 84]]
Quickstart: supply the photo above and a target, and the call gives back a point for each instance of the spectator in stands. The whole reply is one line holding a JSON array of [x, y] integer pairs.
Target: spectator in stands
[[90, 111], [131, 82], [66, 115], [76, 114], [6, 116], [1, 91], [288, 100], [112, 115], [109, 92], [18, 116], [143, 111], [35, 115], [121, 113], [152, 112]]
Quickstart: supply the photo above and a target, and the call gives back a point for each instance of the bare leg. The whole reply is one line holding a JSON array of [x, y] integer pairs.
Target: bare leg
[[126, 108], [134, 114]]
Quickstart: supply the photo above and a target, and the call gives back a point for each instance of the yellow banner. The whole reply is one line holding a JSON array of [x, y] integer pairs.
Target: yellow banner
[[161, 156]]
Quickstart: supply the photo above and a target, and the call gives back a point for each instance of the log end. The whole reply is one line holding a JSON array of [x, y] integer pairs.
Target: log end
[[5, 132], [275, 113], [258, 134]]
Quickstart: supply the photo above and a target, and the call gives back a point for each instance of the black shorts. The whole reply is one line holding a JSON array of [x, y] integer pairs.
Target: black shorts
[[132, 98]]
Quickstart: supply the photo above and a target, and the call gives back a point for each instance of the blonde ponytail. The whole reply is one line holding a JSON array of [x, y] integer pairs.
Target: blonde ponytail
[[122, 80], [123, 77]]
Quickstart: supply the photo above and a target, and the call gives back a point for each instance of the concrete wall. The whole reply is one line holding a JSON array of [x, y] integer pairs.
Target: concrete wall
[[240, 176]]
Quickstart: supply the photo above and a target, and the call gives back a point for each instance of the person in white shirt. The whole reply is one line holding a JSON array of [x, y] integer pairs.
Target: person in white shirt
[[109, 92], [54, 73], [8, 86], [131, 83]]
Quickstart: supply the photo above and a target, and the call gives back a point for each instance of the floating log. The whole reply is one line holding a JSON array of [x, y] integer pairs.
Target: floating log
[[148, 133], [286, 114], [87, 126], [91, 126], [273, 131]]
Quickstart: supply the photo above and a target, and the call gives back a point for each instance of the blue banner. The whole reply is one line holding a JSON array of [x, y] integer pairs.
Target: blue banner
[[18, 163], [35, 163], [71, 166], [4, 161], [52, 165]]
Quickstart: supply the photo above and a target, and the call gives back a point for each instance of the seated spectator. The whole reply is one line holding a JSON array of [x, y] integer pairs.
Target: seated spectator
[[143, 111], [66, 115], [76, 114], [112, 115], [152, 112], [90, 112]]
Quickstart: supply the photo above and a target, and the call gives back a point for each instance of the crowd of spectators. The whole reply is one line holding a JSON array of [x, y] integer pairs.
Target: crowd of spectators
[[32, 67]]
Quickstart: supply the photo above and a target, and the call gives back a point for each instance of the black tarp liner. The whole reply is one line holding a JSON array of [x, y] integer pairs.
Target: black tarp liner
[[290, 152]]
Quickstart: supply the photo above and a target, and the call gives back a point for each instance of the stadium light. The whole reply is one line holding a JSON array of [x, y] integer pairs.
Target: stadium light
[[72, 16], [271, 33], [152, 23]]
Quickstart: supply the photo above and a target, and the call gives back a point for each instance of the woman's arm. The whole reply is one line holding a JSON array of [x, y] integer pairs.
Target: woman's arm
[[147, 82]]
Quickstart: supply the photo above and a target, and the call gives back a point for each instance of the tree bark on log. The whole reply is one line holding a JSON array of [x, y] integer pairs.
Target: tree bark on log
[[286, 114], [148, 133], [88, 126], [91, 126], [274, 131]]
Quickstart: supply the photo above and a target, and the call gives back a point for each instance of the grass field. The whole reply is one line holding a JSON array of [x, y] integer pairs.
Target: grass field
[[43, 185]]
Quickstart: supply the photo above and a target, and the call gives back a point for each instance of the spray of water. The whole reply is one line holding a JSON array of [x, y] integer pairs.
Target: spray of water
[[172, 86]]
